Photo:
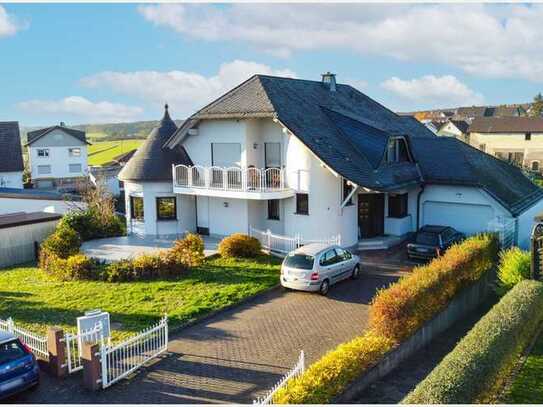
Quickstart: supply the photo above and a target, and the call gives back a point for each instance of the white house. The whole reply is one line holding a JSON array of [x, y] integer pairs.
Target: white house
[[316, 159], [454, 128], [11, 156], [57, 156]]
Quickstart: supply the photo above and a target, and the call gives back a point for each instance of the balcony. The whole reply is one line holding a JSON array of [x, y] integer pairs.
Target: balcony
[[233, 182]]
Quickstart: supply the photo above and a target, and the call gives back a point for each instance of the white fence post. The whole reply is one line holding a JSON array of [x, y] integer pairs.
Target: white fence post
[[10, 325], [269, 239]]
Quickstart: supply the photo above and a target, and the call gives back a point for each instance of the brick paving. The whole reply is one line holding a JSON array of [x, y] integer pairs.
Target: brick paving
[[238, 354]]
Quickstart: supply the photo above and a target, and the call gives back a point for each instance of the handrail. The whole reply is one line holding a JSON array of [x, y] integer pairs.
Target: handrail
[[231, 178]]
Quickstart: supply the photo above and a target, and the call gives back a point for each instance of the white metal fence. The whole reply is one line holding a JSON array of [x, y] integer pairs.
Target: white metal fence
[[296, 371], [73, 346], [231, 179], [119, 360], [37, 343], [285, 244]]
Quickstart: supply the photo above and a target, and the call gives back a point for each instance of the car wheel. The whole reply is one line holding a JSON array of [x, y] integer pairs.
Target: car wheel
[[325, 287], [356, 272]]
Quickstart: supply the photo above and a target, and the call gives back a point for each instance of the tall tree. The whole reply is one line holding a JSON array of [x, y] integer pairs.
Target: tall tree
[[537, 106]]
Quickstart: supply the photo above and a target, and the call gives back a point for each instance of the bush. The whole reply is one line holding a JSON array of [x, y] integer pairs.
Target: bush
[[240, 245], [90, 226], [331, 375], [76, 267], [513, 268], [477, 366], [63, 243], [398, 311], [189, 251]]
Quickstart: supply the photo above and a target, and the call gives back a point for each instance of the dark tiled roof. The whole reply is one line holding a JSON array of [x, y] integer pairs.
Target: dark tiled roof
[[507, 111], [461, 125], [32, 136], [473, 111], [11, 155], [24, 218], [506, 125], [125, 157], [445, 160], [153, 161]]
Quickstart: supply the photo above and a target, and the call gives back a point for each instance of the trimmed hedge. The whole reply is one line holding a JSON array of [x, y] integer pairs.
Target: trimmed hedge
[[396, 313], [240, 245], [513, 268], [90, 226], [484, 357], [330, 375], [403, 308]]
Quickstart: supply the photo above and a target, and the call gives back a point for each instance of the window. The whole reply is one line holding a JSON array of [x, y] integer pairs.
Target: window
[[11, 351], [44, 169], [74, 152], [528, 136], [347, 189], [272, 155], [299, 261], [136, 207], [397, 151], [74, 168], [121, 184], [43, 152], [226, 154], [397, 206], [166, 208], [482, 147], [273, 209], [343, 255], [328, 258], [535, 165], [302, 204]]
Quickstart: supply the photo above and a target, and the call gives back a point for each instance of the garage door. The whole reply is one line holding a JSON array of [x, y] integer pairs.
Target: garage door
[[465, 218]]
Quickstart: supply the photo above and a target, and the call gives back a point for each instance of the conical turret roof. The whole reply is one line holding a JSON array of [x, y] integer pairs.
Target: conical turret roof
[[152, 161]]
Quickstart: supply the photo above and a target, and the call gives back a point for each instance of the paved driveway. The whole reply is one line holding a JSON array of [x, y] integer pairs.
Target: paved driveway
[[238, 354]]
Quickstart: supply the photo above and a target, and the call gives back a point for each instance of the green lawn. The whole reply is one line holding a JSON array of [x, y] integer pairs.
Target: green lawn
[[528, 385], [35, 300], [104, 151]]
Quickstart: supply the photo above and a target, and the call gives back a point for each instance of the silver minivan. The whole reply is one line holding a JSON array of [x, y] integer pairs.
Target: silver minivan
[[317, 266]]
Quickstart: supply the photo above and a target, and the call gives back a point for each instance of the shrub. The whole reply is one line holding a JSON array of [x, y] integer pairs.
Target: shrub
[[477, 366], [90, 226], [76, 267], [189, 250], [240, 245], [63, 243], [331, 375], [513, 268], [401, 309], [119, 271]]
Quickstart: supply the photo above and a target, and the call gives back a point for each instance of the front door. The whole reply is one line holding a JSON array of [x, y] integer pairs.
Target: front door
[[371, 215]]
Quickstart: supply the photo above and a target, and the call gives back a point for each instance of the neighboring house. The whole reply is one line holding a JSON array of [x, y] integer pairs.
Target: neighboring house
[[33, 200], [515, 139], [317, 159], [57, 156], [107, 175], [11, 156], [433, 125], [454, 128]]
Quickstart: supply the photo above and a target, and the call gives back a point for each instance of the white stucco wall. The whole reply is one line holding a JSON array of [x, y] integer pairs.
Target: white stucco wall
[[11, 179], [59, 158], [525, 223], [11, 205], [150, 226]]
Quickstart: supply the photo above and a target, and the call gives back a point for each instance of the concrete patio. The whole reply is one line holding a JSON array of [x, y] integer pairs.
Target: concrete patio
[[127, 247]]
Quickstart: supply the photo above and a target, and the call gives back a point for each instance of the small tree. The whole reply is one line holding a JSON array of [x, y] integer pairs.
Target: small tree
[[537, 106], [100, 201]]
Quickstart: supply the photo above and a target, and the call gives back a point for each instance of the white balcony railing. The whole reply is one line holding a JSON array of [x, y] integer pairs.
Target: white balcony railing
[[229, 179]]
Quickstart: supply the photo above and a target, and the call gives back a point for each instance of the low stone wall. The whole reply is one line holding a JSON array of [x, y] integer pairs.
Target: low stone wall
[[467, 300]]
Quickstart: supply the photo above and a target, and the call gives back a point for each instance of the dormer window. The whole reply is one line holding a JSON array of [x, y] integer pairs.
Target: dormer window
[[397, 150]]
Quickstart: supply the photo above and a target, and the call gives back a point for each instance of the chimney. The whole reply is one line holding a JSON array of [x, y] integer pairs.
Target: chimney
[[329, 80], [62, 124]]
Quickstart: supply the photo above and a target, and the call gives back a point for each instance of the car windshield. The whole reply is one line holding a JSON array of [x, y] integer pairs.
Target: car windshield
[[299, 261], [427, 238], [10, 351]]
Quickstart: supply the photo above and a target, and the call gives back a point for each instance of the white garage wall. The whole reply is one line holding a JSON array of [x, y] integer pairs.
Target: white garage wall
[[525, 224], [11, 205]]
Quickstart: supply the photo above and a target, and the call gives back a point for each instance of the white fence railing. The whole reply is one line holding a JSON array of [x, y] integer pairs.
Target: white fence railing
[[119, 360], [285, 244], [73, 346], [296, 371], [37, 343], [230, 179]]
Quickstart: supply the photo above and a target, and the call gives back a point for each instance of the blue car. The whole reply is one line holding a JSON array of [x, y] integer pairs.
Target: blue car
[[18, 366]]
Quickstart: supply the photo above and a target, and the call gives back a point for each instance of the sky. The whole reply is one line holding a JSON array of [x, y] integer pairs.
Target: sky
[[101, 63]]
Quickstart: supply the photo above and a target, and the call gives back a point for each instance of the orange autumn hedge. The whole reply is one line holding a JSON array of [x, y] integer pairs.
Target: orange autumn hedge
[[401, 309]]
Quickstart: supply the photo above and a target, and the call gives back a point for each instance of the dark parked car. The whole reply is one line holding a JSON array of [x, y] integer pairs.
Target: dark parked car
[[18, 366], [431, 241]]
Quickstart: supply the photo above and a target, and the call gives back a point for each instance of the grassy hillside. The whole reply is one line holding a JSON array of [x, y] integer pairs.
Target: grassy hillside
[[104, 151]]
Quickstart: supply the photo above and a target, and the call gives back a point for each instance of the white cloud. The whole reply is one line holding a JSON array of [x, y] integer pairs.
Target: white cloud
[[79, 108], [488, 40], [184, 91], [433, 90], [8, 25]]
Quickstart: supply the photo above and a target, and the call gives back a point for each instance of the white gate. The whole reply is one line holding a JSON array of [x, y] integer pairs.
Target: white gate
[[296, 371], [37, 343], [73, 346], [285, 244], [120, 360]]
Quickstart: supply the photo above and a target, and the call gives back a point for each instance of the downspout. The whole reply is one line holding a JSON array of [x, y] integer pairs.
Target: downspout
[[418, 205]]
